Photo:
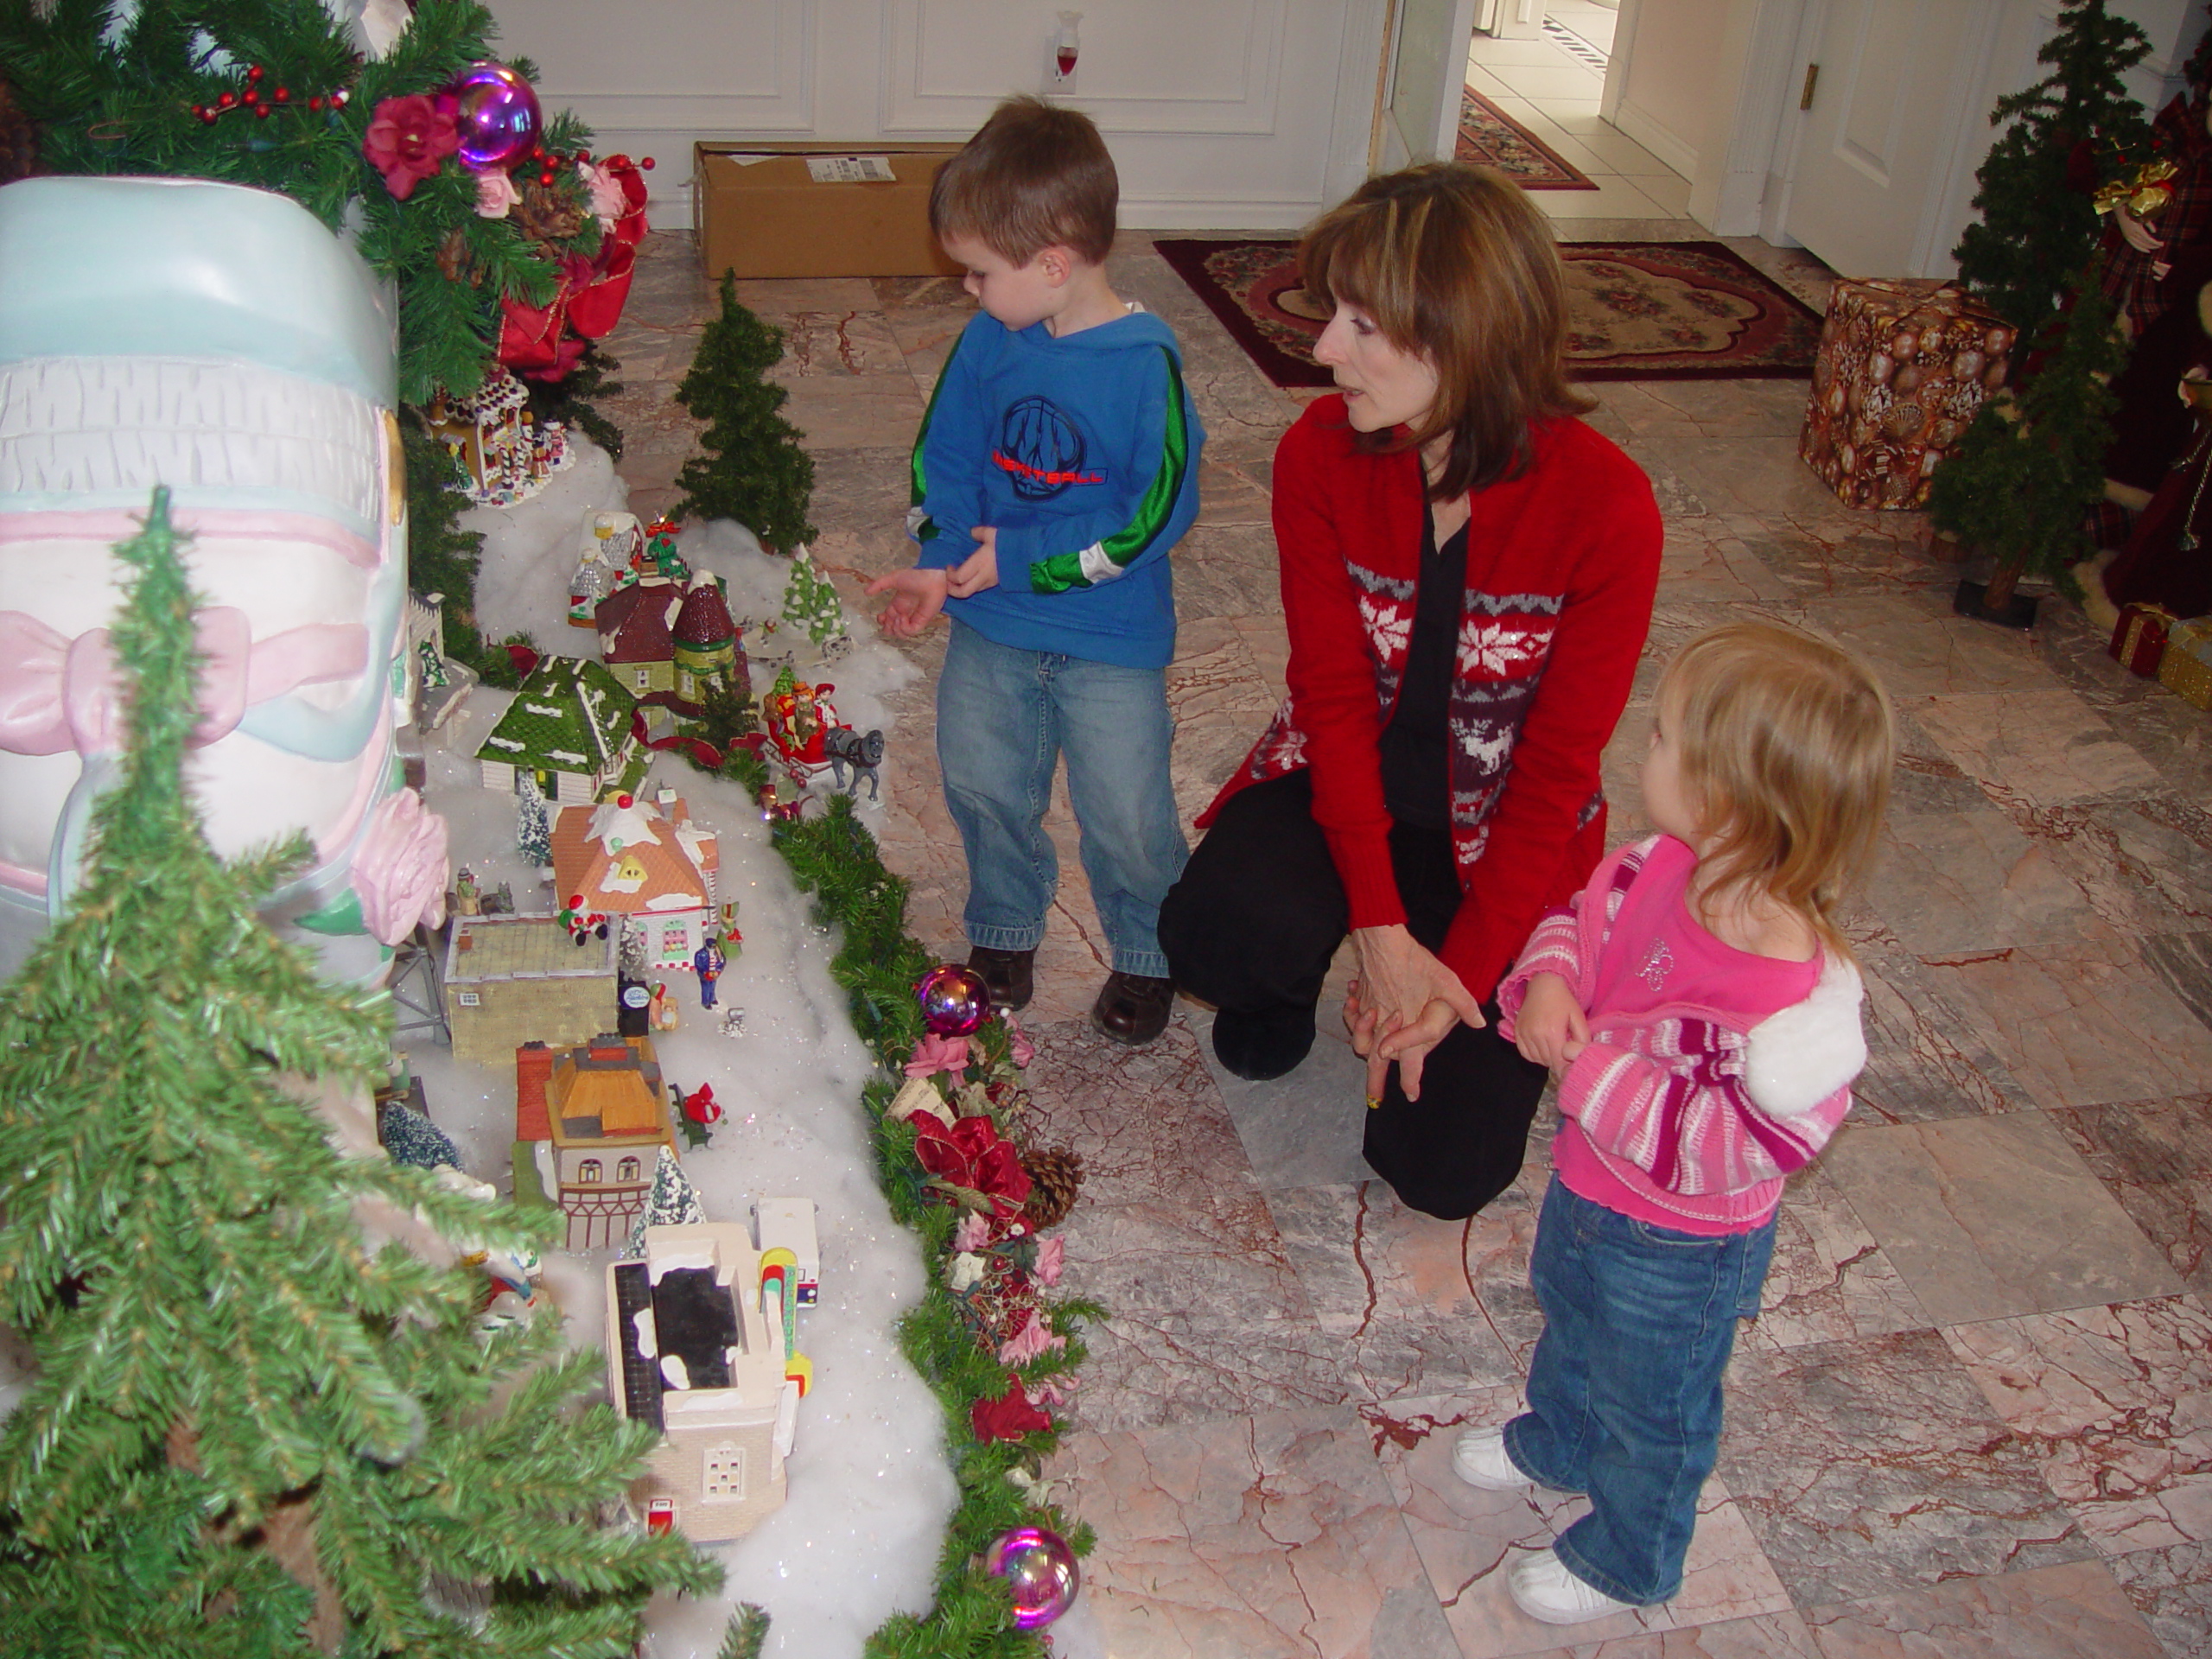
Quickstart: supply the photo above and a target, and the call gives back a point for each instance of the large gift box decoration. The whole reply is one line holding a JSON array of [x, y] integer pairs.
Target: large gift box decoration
[[2186, 669], [1900, 373], [2139, 639]]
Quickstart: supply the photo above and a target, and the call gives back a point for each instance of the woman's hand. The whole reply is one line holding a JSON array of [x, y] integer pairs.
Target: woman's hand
[[1551, 1028], [1403, 1003]]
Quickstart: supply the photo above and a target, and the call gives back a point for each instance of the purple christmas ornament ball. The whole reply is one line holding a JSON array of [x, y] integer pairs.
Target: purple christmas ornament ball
[[1039, 1570], [496, 112], [955, 1000]]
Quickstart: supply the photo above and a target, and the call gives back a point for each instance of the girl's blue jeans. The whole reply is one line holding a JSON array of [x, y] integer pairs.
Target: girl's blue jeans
[[1004, 717], [1624, 1389]]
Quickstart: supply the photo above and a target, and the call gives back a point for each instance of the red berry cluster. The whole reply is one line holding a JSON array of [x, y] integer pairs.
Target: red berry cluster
[[263, 101], [549, 162]]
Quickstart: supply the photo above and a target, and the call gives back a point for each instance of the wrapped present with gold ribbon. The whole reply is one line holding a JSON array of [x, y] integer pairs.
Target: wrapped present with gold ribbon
[[2139, 639], [2143, 193], [1900, 372], [2186, 669]]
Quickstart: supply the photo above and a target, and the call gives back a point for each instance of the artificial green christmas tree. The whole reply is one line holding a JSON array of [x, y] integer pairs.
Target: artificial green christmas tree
[[533, 823], [811, 601], [2030, 468], [248, 1433], [754, 470], [2038, 225]]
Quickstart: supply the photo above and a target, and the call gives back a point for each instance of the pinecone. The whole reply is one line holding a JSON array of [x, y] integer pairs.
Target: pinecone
[[454, 263], [18, 140], [543, 215], [1055, 1176]]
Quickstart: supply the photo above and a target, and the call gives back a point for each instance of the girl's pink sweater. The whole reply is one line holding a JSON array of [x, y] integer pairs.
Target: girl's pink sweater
[[1687, 1114]]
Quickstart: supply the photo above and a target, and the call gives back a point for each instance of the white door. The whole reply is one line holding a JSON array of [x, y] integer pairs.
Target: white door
[[1883, 131], [1428, 70]]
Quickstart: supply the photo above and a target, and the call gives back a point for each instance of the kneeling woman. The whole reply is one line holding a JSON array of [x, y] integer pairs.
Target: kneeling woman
[[1467, 578]]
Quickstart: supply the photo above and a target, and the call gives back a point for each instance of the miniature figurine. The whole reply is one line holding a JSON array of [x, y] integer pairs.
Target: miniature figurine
[[709, 962], [847, 748], [467, 899], [663, 1014]]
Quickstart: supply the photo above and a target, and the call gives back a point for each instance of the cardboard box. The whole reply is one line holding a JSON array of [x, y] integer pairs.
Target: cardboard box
[[761, 211]]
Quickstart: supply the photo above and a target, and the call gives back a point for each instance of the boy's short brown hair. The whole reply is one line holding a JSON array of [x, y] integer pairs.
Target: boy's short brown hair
[[1036, 176]]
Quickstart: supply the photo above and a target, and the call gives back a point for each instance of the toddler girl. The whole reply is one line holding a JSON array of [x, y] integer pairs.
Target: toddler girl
[[1698, 1004]]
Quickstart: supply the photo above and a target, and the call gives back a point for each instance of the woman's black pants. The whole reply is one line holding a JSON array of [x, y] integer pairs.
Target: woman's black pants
[[1252, 927]]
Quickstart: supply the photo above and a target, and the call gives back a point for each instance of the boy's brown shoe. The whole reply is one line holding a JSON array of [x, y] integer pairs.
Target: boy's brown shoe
[[1133, 1008], [1011, 975]]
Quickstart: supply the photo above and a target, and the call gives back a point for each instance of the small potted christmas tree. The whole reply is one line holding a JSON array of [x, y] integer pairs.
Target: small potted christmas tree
[[2029, 469], [754, 470]]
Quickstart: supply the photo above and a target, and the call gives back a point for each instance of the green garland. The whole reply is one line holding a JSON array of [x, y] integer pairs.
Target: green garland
[[877, 963]]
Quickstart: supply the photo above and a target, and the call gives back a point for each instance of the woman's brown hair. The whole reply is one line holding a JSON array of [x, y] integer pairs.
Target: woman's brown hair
[[1452, 263]]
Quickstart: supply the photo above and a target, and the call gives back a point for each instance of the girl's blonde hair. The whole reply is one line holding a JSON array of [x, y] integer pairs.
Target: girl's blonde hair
[[1786, 744]]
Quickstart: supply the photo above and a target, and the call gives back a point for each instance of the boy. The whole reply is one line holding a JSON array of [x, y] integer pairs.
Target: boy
[[1057, 465]]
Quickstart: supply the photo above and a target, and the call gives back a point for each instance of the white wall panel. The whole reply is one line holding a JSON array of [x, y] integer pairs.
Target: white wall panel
[[674, 66]]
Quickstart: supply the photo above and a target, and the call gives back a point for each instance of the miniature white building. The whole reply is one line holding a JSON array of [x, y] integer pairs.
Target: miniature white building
[[690, 1351]]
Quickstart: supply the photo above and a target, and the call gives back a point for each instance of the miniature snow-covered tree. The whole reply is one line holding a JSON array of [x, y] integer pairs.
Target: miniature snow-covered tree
[[533, 824], [674, 1202], [247, 1432], [810, 600], [754, 470]]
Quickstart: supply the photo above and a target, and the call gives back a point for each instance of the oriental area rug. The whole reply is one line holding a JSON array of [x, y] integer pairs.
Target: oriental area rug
[[1491, 137], [1636, 310]]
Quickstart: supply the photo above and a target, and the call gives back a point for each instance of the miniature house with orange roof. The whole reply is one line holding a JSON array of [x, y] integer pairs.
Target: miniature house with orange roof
[[634, 638], [649, 861], [594, 1118]]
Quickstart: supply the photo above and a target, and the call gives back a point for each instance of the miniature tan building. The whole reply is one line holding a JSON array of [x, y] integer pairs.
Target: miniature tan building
[[608, 1113], [511, 980], [690, 1351]]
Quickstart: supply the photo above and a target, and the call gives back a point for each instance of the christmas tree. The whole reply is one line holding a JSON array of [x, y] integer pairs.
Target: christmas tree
[[248, 1433], [754, 470], [270, 94], [673, 1202], [533, 824], [2038, 225], [2029, 469], [811, 601]]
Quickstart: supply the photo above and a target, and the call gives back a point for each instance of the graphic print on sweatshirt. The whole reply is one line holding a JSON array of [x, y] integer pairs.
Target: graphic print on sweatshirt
[[1041, 451]]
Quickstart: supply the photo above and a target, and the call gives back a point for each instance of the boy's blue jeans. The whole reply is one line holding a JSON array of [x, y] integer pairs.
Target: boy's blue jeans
[[1624, 1389], [1004, 717]]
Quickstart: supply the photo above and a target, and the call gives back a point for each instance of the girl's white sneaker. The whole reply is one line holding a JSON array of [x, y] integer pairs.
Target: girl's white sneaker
[[1478, 1458], [1543, 1588]]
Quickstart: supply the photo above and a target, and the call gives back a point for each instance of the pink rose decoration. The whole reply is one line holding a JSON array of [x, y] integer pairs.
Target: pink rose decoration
[[1021, 1050], [934, 1054], [1052, 1254], [495, 193], [399, 874], [609, 199], [408, 140], [1034, 1339], [973, 1233]]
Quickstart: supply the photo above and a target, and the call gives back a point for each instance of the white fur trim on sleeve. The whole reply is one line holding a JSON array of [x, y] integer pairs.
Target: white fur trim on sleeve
[[1795, 1060]]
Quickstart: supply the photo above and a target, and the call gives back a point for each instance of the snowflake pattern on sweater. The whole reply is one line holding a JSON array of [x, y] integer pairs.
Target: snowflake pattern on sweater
[[1504, 641]]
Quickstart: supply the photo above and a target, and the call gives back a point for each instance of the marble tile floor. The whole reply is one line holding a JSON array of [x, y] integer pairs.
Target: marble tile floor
[[1975, 1415]]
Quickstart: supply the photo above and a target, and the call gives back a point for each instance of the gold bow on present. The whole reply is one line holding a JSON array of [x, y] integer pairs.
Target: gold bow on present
[[2142, 195]]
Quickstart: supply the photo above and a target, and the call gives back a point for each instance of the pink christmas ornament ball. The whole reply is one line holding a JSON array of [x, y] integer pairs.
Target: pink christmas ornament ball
[[955, 1000], [1039, 1570], [496, 112]]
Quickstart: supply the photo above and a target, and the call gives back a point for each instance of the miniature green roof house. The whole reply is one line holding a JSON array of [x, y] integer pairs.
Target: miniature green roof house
[[569, 726]]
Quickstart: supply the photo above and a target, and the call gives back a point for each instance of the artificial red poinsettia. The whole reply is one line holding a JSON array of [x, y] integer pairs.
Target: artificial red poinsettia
[[544, 341], [1008, 1419], [970, 1153], [409, 139]]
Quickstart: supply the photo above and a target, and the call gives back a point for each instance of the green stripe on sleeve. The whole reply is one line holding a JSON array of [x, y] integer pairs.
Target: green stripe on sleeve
[[1108, 558]]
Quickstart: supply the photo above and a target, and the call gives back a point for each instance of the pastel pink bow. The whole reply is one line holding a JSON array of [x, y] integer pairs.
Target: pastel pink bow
[[58, 694]]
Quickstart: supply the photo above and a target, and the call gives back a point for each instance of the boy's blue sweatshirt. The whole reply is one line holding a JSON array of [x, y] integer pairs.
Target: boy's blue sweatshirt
[[1082, 454]]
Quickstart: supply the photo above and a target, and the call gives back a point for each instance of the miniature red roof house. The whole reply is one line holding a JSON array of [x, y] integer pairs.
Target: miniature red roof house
[[690, 1350], [634, 641], [651, 861], [707, 654], [601, 1111]]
